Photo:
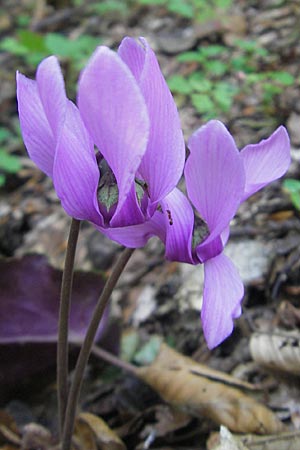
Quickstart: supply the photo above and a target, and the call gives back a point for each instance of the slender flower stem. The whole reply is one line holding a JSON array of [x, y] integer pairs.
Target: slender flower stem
[[87, 346], [63, 323]]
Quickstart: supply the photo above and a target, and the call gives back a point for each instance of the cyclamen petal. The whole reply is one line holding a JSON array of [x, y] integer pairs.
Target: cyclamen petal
[[37, 134], [218, 179], [163, 161], [215, 176], [136, 236], [266, 161], [223, 291], [178, 218], [52, 93], [115, 113], [75, 172]]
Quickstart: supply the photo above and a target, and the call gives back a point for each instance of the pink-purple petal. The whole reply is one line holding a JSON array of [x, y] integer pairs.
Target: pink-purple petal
[[178, 222], [266, 161], [114, 112], [223, 292], [35, 128], [162, 164], [130, 213], [215, 176], [207, 251], [136, 236], [52, 93], [76, 173], [133, 54]]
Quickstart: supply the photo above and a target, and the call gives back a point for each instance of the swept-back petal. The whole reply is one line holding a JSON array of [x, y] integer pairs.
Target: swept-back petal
[[179, 223], [52, 93], [136, 236], [36, 131], [133, 54], [76, 173], [223, 291], [115, 113], [266, 161], [207, 251], [163, 162], [215, 176], [130, 213]]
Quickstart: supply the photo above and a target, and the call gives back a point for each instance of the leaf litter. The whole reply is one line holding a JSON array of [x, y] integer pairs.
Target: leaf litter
[[247, 121]]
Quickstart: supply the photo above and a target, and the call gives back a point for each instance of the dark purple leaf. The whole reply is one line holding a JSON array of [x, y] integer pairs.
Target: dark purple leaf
[[29, 302]]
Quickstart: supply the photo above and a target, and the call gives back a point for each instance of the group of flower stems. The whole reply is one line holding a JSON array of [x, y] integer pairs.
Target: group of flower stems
[[68, 396]]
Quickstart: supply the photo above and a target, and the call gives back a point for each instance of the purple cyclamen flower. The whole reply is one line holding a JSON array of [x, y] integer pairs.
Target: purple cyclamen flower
[[124, 108], [218, 179]]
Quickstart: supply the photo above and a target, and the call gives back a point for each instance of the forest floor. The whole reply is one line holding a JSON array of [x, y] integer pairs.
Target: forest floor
[[238, 63]]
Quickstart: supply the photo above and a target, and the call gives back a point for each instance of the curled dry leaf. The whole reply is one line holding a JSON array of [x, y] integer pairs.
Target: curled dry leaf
[[8, 429], [279, 350], [102, 435], [283, 441], [180, 382], [225, 441]]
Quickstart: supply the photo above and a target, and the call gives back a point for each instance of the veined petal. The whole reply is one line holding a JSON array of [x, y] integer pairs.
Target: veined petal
[[136, 236], [178, 222], [52, 93], [266, 161], [130, 213], [76, 173], [36, 131], [133, 54], [223, 291], [207, 251], [163, 162], [115, 113], [215, 176]]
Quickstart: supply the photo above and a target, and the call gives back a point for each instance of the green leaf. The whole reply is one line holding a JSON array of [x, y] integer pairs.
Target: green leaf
[[23, 20], [11, 45], [199, 83], [203, 103], [5, 135], [215, 67], [149, 351], [129, 345], [77, 50], [152, 2], [246, 45], [212, 50], [9, 163], [32, 41], [284, 78], [190, 57], [223, 4], [223, 100], [2, 180], [109, 6], [179, 84], [182, 8], [292, 186]]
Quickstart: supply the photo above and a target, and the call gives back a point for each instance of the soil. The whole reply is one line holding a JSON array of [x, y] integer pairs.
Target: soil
[[156, 299]]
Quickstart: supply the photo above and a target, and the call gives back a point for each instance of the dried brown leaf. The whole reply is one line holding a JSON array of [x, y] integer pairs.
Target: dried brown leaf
[[279, 350], [83, 437], [8, 429], [176, 379], [282, 441], [225, 441], [36, 436], [105, 437]]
